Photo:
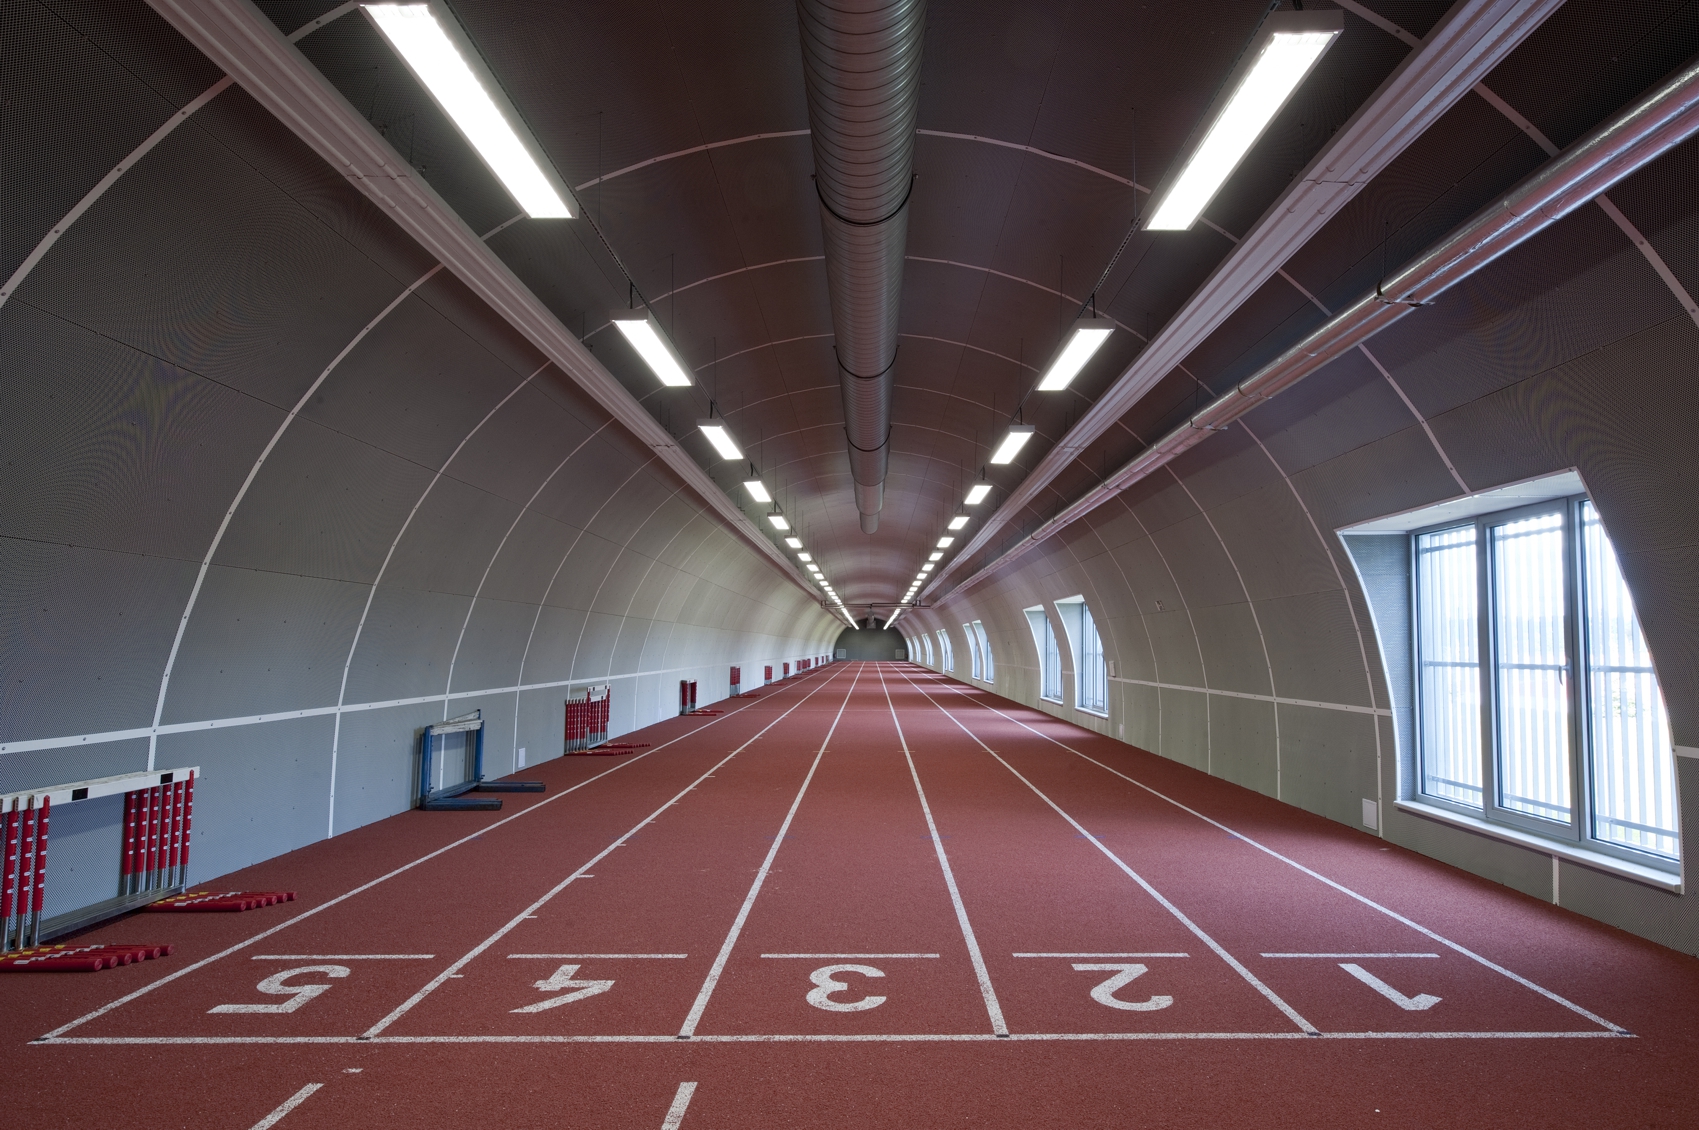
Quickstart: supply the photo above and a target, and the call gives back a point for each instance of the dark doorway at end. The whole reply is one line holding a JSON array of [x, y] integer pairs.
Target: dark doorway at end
[[870, 643]]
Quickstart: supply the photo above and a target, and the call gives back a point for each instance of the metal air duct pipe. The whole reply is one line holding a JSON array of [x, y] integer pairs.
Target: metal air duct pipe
[[861, 63]]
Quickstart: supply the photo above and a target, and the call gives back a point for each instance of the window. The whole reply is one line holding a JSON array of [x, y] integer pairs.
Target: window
[[926, 645], [1091, 668], [1537, 704], [972, 649], [985, 663], [946, 653], [1049, 655]]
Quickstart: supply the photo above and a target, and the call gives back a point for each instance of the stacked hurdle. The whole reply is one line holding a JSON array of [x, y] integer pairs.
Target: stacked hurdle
[[24, 887], [587, 718], [153, 857], [154, 849], [87, 959]]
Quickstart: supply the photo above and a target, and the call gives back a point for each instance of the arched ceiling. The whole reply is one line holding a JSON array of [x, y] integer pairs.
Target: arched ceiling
[[683, 128]]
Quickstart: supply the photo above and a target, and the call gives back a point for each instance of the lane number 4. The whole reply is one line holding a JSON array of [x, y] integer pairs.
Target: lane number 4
[[561, 981], [1125, 973], [298, 994]]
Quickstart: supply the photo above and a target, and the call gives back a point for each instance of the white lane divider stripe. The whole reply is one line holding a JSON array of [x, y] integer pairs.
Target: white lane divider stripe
[[1220, 951], [342, 957], [849, 956], [681, 1103], [1356, 955], [288, 1105], [993, 1008], [597, 956], [1110, 955], [513, 923], [688, 1029]]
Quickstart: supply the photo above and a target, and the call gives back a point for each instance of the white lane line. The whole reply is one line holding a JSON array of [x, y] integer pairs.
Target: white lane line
[[681, 1103], [443, 977], [596, 956], [688, 1029], [1251, 978], [893, 1038], [993, 1008], [288, 1105], [1114, 955], [834, 956], [1340, 887], [1331, 955], [342, 957], [426, 858]]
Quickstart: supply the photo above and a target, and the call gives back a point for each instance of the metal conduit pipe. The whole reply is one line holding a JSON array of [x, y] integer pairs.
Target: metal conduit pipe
[[1652, 126], [861, 64]]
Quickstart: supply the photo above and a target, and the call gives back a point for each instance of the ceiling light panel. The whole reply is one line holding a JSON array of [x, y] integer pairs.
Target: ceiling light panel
[[644, 333], [976, 494], [958, 522], [778, 521], [446, 65], [794, 543], [805, 557], [1012, 444], [936, 557], [721, 437], [757, 490], [1284, 50], [1084, 340], [946, 543]]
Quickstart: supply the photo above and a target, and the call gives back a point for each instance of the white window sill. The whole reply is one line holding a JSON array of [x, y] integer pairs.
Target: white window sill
[[1094, 713], [1047, 698], [1558, 849]]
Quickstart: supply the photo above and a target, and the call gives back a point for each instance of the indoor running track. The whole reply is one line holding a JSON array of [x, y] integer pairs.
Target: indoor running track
[[869, 897]]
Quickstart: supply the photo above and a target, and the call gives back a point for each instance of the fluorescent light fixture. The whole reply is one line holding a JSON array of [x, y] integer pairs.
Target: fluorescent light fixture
[[778, 521], [813, 568], [427, 45], [794, 543], [1283, 51], [644, 333], [1087, 336], [1012, 443], [976, 494], [757, 490], [936, 557], [946, 543], [721, 437], [804, 556], [958, 521]]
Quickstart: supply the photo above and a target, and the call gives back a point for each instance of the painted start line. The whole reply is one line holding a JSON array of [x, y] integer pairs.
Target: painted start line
[[863, 856]]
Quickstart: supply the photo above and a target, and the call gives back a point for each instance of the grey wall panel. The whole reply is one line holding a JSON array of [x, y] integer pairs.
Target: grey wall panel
[[1179, 659], [1204, 572], [1217, 473], [1327, 762], [526, 439], [266, 791], [553, 642], [30, 769], [1243, 745], [1344, 406], [323, 505], [1185, 727], [1313, 647], [522, 570], [107, 446], [450, 538], [1159, 502], [1665, 584], [491, 644], [1148, 573], [1516, 867], [86, 843], [1232, 647], [1141, 714], [86, 634], [261, 643], [1399, 472], [1273, 543], [405, 647], [377, 761]]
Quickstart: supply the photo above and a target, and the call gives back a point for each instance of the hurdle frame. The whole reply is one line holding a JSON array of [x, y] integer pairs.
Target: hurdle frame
[[451, 798]]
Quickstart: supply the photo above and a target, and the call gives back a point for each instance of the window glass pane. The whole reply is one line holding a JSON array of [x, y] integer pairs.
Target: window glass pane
[[972, 650], [1632, 771], [1093, 688], [946, 654], [988, 668], [1448, 640], [1532, 667], [1052, 662]]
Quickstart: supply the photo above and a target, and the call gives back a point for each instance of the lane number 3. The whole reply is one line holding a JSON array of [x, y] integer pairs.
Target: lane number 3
[[827, 985], [563, 979], [1124, 972]]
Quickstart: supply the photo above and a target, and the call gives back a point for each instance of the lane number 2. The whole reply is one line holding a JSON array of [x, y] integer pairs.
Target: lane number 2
[[298, 994], [563, 979], [827, 985], [1125, 973]]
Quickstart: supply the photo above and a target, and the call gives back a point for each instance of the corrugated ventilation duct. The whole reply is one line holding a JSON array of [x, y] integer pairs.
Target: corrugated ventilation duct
[[861, 61]]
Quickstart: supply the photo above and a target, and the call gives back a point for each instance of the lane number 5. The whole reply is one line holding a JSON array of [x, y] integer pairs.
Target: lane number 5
[[1124, 972], [827, 984], [298, 994]]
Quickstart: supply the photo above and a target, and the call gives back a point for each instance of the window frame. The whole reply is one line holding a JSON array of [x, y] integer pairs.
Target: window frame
[[972, 651], [946, 651], [986, 667], [1578, 831], [1045, 642], [1073, 611]]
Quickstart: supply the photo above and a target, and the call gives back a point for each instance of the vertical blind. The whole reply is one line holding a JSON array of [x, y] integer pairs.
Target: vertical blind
[[1093, 694], [1448, 639]]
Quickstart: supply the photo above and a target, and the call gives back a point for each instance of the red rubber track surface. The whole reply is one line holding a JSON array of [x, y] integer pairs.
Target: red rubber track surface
[[859, 900]]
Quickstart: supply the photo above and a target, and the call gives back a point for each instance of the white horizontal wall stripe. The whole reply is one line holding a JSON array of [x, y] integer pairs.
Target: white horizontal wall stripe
[[1349, 709], [324, 711]]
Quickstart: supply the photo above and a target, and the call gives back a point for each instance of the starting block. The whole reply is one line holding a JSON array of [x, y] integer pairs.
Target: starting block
[[450, 798], [203, 902]]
